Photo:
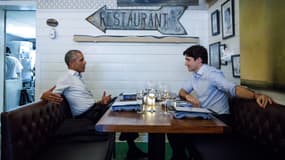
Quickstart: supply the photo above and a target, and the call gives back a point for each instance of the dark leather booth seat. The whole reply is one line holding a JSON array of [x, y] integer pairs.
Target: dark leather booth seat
[[256, 134], [42, 131]]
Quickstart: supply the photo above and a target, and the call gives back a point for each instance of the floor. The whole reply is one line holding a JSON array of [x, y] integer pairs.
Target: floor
[[122, 148], [141, 142]]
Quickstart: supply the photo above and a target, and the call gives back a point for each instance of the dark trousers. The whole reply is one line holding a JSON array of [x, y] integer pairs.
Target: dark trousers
[[178, 143], [94, 114], [181, 143]]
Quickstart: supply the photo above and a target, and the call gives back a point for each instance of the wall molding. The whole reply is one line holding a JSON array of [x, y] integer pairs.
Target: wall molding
[[135, 39], [263, 85]]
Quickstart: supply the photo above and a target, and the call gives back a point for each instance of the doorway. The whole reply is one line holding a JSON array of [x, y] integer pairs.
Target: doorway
[[19, 57]]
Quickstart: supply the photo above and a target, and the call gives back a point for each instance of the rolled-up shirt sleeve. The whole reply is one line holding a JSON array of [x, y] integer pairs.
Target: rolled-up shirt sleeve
[[187, 86]]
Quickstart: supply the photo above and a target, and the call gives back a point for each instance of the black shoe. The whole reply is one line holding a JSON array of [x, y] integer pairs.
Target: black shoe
[[128, 136], [134, 154]]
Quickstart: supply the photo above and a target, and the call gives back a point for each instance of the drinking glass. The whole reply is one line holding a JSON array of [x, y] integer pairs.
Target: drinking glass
[[165, 95], [139, 98], [150, 85], [139, 95], [171, 102]]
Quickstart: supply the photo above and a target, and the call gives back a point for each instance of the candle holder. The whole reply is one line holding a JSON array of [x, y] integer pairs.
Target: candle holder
[[149, 100]]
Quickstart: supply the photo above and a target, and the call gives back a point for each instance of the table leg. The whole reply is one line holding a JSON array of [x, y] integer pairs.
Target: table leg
[[156, 146]]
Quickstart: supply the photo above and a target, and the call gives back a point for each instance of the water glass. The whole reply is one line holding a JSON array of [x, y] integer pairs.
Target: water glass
[[165, 94], [167, 104], [139, 95], [139, 98]]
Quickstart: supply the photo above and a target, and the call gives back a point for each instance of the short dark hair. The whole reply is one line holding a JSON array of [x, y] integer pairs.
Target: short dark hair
[[8, 50], [70, 56], [197, 51]]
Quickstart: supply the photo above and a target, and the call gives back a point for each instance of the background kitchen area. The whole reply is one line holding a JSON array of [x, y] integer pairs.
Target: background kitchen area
[[18, 41]]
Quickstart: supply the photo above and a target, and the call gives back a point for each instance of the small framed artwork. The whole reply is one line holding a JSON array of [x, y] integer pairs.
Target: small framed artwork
[[214, 55], [228, 25], [222, 53], [215, 22], [236, 65]]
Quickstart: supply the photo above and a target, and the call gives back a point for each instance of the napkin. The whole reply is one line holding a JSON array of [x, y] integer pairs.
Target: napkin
[[126, 106], [128, 96], [183, 104], [131, 107], [182, 115]]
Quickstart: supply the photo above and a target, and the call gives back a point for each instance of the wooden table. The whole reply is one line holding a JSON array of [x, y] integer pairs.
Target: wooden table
[[156, 124]]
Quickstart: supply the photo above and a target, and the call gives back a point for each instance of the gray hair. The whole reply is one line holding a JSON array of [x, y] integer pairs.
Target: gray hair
[[71, 56]]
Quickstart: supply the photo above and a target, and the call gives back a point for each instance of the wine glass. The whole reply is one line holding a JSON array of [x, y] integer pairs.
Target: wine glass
[[149, 86], [139, 98], [165, 95]]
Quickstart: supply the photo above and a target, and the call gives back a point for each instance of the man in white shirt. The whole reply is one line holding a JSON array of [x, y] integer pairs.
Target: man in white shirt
[[13, 66], [81, 100], [71, 85]]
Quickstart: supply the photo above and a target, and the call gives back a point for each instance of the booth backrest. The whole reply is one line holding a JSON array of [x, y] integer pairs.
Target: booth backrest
[[266, 127], [28, 129]]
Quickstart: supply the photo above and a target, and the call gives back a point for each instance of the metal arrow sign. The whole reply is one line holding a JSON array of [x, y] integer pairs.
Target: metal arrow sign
[[165, 19]]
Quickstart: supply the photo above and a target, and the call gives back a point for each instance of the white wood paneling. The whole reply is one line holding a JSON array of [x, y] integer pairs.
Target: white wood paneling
[[113, 67]]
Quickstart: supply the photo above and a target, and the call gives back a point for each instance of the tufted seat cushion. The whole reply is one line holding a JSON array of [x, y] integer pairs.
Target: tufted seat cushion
[[256, 134], [38, 128], [27, 129], [79, 130], [75, 151]]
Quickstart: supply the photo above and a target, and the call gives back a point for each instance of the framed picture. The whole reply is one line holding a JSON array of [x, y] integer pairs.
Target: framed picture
[[215, 22], [125, 3], [228, 25], [222, 54], [214, 55], [236, 65]]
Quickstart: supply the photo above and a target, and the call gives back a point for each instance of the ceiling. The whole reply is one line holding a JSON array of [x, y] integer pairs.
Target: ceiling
[[20, 18], [21, 23]]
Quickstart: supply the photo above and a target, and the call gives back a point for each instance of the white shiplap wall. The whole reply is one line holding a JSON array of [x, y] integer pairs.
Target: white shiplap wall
[[113, 67]]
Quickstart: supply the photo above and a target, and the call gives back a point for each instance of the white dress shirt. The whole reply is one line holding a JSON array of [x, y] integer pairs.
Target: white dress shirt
[[80, 99]]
